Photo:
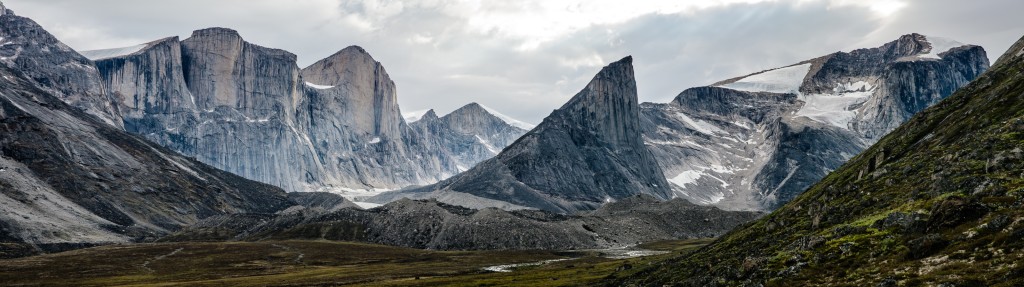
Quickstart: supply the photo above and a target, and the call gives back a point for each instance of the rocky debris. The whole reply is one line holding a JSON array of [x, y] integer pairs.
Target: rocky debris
[[435, 225], [324, 201], [756, 142], [586, 153]]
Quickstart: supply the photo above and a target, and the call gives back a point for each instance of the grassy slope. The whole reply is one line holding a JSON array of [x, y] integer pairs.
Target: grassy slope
[[936, 201], [303, 263]]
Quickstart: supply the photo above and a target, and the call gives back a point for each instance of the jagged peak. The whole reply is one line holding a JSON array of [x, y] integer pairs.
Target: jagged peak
[[618, 72], [471, 108], [429, 115]]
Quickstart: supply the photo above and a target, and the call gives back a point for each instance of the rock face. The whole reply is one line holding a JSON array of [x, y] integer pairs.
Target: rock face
[[471, 133], [586, 153], [53, 66], [69, 179], [935, 202], [756, 142], [250, 110], [435, 225]]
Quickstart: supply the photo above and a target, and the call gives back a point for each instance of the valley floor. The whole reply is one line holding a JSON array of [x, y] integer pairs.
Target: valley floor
[[319, 263]]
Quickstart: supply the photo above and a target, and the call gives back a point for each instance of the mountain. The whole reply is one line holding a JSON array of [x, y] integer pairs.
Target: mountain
[[471, 133], [69, 178], [247, 109], [936, 202], [53, 66], [755, 142], [435, 225], [586, 153]]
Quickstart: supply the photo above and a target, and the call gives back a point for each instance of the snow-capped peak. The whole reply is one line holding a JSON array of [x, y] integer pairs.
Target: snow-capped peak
[[414, 116], [939, 45], [101, 54], [786, 80], [511, 121]]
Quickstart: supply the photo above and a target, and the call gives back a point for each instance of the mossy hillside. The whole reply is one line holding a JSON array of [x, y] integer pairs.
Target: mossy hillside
[[936, 201]]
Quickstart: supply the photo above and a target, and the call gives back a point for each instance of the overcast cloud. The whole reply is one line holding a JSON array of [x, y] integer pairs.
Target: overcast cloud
[[526, 58]]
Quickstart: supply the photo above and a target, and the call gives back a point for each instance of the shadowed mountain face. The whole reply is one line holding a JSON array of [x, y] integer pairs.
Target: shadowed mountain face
[[68, 178], [936, 202], [586, 153], [756, 142]]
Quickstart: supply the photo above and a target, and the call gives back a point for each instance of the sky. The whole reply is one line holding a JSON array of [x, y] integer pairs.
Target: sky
[[526, 58]]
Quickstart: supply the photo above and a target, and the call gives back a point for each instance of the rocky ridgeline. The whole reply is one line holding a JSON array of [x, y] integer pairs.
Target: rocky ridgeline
[[435, 225], [586, 153], [756, 142]]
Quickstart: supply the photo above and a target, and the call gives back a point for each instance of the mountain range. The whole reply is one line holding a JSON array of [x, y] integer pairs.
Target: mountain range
[[755, 142], [936, 202]]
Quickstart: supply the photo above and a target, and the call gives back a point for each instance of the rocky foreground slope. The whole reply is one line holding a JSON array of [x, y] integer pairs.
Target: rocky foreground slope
[[756, 142], [586, 153], [937, 202], [69, 178], [435, 225]]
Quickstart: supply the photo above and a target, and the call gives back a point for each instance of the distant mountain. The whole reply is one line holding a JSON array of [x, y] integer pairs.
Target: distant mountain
[[756, 142], [471, 133], [936, 202], [586, 153], [435, 225], [332, 126], [70, 178]]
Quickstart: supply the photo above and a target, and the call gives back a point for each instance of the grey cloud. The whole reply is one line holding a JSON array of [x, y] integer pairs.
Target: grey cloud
[[437, 63]]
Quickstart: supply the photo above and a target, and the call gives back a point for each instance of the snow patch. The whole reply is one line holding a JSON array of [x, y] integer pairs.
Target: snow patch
[[487, 145], [366, 205], [939, 45], [782, 80], [509, 120], [836, 109], [318, 87], [699, 125], [414, 116], [101, 54], [374, 140], [686, 177]]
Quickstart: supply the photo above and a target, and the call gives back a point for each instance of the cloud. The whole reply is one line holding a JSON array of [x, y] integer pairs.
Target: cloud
[[528, 57]]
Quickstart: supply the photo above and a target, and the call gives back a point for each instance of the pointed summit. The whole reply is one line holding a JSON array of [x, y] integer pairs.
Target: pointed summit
[[583, 155], [429, 115]]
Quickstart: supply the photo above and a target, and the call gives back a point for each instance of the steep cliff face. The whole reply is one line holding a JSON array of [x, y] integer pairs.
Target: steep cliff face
[[54, 67], [333, 126], [936, 202], [471, 134], [586, 153], [757, 141], [352, 116]]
